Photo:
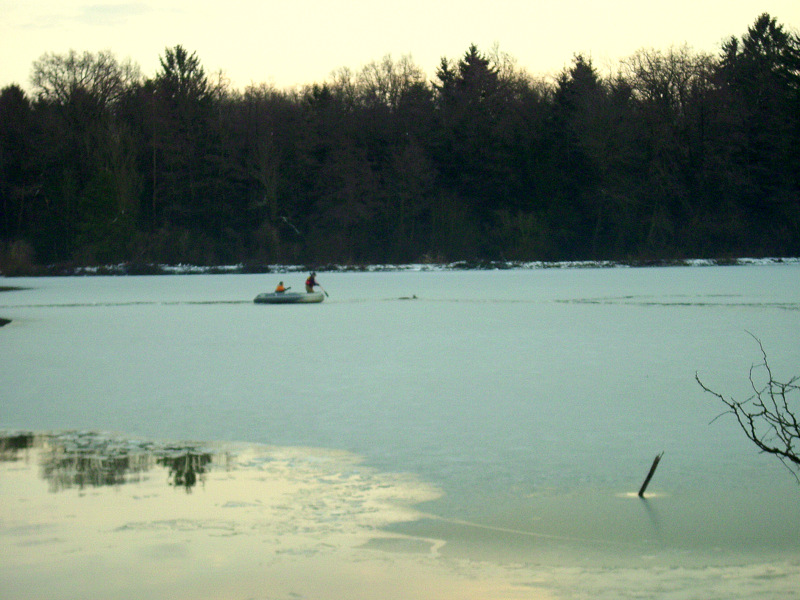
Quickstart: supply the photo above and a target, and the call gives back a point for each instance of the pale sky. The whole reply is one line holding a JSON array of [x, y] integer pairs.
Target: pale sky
[[296, 42]]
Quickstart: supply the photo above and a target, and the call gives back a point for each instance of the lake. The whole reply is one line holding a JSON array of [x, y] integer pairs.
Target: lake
[[419, 434]]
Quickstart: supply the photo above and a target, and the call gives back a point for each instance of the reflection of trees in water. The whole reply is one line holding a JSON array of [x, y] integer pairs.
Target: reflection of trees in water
[[10, 445], [185, 468], [65, 466], [91, 460]]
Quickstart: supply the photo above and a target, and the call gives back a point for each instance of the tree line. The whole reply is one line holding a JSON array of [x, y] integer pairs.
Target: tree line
[[676, 154]]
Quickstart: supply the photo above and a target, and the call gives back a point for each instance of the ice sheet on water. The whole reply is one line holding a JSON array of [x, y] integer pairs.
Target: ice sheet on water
[[532, 398]]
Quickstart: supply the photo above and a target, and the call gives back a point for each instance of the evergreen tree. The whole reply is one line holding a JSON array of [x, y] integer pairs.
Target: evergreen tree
[[181, 132], [761, 73]]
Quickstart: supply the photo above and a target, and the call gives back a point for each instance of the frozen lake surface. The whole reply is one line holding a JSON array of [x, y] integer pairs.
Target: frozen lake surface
[[487, 429]]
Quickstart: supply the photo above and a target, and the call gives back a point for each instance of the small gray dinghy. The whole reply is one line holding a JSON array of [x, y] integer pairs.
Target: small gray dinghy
[[289, 297]]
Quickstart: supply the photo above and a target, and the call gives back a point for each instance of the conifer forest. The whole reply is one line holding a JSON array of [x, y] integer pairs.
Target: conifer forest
[[668, 154]]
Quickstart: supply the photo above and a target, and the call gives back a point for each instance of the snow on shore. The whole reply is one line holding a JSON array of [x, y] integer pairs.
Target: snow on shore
[[184, 269]]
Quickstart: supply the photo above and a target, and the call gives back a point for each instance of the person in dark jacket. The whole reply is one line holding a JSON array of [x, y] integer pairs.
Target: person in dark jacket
[[311, 282]]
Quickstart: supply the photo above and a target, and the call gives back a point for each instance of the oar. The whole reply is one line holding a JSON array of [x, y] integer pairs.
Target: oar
[[323, 289]]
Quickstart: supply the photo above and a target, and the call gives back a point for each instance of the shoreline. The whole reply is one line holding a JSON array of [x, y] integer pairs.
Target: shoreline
[[133, 269]]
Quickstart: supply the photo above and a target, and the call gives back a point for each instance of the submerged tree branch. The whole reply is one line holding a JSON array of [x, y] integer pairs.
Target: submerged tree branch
[[769, 417]]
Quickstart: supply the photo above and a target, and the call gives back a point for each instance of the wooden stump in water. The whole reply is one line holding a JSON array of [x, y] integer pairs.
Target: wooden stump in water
[[650, 475]]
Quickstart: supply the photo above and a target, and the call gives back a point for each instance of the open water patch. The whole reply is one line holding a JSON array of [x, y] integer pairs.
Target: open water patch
[[89, 459], [76, 502]]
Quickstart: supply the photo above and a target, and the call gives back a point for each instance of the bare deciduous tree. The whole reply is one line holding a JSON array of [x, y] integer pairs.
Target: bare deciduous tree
[[58, 77], [769, 417]]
